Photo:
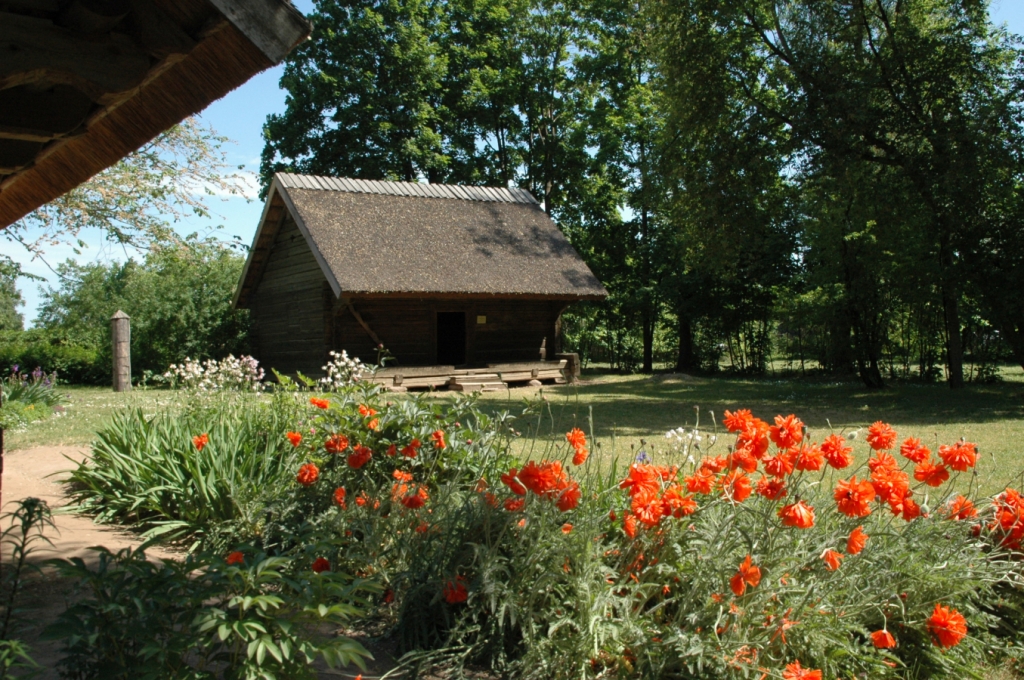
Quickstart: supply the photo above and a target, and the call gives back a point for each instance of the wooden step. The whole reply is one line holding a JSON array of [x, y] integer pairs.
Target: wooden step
[[482, 382]]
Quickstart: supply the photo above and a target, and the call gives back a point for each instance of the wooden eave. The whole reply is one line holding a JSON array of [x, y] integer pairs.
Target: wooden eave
[[79, 90]]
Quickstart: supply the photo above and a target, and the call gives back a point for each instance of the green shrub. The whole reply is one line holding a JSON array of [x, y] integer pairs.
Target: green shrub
[[203, 618], [151, 472], [71, 362]]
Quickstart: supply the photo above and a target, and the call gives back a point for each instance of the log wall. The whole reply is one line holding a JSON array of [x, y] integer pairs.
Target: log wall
[[288, 306]]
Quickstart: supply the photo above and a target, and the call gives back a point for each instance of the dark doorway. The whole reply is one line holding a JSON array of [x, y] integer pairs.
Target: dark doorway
[[451, 338]]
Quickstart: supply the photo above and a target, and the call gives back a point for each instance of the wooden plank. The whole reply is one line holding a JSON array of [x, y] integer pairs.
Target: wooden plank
[[273, 27]]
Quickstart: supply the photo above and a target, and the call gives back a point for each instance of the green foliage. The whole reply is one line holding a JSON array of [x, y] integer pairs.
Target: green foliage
[[10, 297], [73, 363], [201, 618], [147, 470], [178, 298], [25, 397], [26, 527]]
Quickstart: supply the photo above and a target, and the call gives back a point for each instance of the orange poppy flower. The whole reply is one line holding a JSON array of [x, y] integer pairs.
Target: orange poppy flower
[[417, 498], [890, 484], [359, 457], [747, 575], [832, 559], [336, 444], [514, 504], [438, 438], [736, 486], [808, 457], [236, 557], [836, 453], [676, 503], [402, 476], [883, 639], [960, 456], [200, 441], [946, 626], [339, 497], [643, 481], [648, 512], [931, 473], [629, 525], [911, 510], [294, 437], [716, 464], [799, 515], [566, 528], [794, 671], [881, 459], [961, 508], [786, 432], [579, 456], [772, 489], [754, 438], [856, 542], [853, 498], [509, 479], [880, 436], [569, 498], [308, 474], [738, 421], [912, 450], [742, 458], [703, 481], [412, 449], [319, 403]]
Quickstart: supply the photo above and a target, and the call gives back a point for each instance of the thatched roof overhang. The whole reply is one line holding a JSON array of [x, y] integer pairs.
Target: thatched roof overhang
[[85, 82], [408, 240]]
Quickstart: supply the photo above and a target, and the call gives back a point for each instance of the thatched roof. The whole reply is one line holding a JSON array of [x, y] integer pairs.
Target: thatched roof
[[401, 239], [86, 82]]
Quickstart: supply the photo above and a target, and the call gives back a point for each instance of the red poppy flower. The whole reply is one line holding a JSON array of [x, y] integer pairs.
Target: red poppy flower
[[779, 465], [881, 460], [808, 457], [412, 449], [200, 440], [794, 671], [931, 473], [676, 503], [579, 457], [336, 444], [542, 478], [772, 489], [577, 440], [832, 559], [339, 497], [514, 504], [438, 438], [569, 498], [737, 422], [736, 486], [308, 474], [236, 557], [402, 476], [786, 432], [883, 639], [754, 438], [629, 525], [912, 450], [946, 626], [961, 508], [648, 512], [853, 498], [891, 484], [856, 542], [837, 454], [566, 528], [742, 458], [746, 575], [643, 481], [294, 437], [911, 510], [319, 403], [716, 464], [960, 456], [509, 480], [799, 515], [359, 457], [881, 436], [703, 481], [320, 565], [416, 499], [454, 591]]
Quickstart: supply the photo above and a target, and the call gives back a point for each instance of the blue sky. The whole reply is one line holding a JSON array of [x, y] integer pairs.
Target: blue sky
[[240, 116]]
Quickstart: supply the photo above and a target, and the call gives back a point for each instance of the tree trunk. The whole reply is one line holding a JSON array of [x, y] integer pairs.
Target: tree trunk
[[648, 331], [954, 342], [686, 360]]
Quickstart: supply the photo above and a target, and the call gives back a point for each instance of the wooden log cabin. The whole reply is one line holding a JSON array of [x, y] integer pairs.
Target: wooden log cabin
[[453, 281]]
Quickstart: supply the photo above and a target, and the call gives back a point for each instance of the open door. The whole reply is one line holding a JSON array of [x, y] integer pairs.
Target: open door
[[451, 338]]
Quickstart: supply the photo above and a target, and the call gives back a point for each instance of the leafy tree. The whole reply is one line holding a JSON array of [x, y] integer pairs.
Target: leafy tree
[[10, 297], [178, 298]]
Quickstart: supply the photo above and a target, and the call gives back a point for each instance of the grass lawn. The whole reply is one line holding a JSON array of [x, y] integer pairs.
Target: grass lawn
[[631, 410], [634, 411]]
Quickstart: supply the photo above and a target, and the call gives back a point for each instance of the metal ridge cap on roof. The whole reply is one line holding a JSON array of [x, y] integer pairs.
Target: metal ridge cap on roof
[[459, 192]]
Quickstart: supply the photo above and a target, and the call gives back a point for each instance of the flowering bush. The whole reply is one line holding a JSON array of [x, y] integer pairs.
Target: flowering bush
[[772, 555], [341, 371], [27, 397], [242, 374]]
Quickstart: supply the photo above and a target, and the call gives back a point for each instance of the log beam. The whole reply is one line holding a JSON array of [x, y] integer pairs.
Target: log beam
[[39, 115]]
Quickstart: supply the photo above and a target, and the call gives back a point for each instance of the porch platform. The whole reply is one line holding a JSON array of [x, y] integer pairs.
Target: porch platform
[[487, 378]]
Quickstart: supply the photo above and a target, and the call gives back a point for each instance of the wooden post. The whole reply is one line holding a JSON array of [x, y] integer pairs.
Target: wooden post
[[121, 343]]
